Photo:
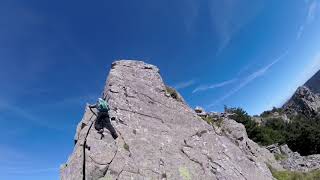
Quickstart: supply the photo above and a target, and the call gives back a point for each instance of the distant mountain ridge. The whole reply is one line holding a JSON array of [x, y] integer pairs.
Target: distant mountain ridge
[[314, 83], [306, 99]]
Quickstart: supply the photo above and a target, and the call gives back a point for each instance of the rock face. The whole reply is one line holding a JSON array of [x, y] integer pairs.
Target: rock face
[[293, 160], [304, 101], [236, 132], [159, 137]]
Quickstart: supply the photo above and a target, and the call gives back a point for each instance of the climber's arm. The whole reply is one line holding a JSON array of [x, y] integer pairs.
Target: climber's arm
[[92, 105]]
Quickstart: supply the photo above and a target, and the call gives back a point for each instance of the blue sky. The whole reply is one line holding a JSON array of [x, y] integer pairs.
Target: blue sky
[[55, 56]]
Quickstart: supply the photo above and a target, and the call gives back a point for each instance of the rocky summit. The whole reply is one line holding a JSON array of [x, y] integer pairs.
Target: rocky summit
[[160, 136], [314, 83], [306, 99], [305, 102]]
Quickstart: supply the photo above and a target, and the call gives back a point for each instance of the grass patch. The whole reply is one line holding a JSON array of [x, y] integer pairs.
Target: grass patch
[[173, 93], [208, 119], [218, 122], [280, 157], [126, 147], [293, 175], [213, 121], [290, 175], [184, 173]]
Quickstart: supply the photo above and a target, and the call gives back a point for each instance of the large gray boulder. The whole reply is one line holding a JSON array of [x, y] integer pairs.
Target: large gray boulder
[[160, 137], [293, 161]]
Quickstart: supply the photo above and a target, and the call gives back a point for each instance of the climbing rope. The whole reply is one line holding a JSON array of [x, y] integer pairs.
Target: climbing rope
[[85, 146]]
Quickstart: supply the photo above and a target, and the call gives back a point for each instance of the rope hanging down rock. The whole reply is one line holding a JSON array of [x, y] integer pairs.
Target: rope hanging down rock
[[85, 146]]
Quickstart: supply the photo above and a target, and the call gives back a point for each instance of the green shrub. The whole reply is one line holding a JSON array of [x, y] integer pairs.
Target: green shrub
[[268, 113], [301, 134], [269, 133]]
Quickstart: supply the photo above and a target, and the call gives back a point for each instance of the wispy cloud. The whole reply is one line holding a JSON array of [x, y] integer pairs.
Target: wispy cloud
[[225, 17], [11, 155], [310, 69], [224, 83], [15, 161], [213, 86], [25, 170], [310, 17], [192, 8], [76, 100], [300, 32], [248, 79], [32, 118], [185, 84], [30, 115], [18, 111], [312, 11], [244, 69]]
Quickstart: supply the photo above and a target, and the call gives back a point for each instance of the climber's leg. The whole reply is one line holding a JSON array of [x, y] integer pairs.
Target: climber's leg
[[111, 129], [98, 124]]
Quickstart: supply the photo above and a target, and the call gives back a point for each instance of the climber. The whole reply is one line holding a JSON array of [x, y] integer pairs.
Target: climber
[[103, 118]]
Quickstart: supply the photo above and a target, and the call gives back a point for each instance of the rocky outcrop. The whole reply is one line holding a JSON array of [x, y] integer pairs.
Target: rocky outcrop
[[293, 161], [257, 119], [266, 116], [304, 101], [236, 132], [200, 111], [160, 137]]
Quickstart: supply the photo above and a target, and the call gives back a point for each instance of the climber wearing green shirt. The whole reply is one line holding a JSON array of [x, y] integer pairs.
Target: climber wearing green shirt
[[103, 118]]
